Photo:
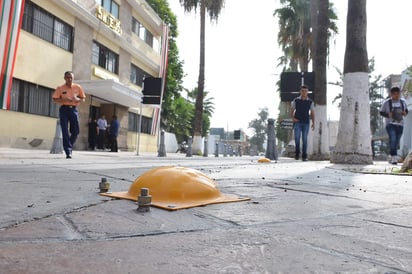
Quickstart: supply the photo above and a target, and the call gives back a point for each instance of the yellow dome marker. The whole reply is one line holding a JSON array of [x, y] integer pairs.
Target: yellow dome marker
[[174, 188], [264, 160]]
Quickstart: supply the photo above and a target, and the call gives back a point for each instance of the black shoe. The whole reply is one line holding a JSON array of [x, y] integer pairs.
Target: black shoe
[[68, 156], [297, 157], [304, 159]]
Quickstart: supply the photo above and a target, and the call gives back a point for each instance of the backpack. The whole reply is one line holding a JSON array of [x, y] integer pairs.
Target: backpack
[[397, 112], [390, 105]]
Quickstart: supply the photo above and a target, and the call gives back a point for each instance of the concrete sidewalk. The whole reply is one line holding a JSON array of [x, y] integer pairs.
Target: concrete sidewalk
[[303, 217]]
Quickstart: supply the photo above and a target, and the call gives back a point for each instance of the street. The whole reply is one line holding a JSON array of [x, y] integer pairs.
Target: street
[[303, 217]]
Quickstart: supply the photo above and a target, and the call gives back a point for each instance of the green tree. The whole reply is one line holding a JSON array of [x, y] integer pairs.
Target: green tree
[[259, 127], [408, 86], [305, 30], [353, 144], [213, 8], [208, 109], [181, 122], [174, 74], [294, 34]]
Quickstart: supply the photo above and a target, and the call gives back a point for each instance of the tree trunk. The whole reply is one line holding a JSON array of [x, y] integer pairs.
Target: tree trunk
[[354, 136], [197, 146], [320, 26]]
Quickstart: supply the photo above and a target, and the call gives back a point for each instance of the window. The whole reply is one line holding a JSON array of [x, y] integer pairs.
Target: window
[[137, 28], [134, 123], [149, 38], [105, 58], [31, 98], [142, 32], [137, 75], [48, 27], [111, 6]]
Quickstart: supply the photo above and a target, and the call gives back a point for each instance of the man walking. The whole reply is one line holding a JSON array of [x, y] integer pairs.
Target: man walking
[[69, 96], [393, 109], [302, 112]]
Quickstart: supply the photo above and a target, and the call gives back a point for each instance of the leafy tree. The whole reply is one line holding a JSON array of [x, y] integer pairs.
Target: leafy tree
[[208, 109], [295, 35], [181, 122], [353, 144], [408, 86], [213, 8], [306, 27], [174, 74], [259, 127]]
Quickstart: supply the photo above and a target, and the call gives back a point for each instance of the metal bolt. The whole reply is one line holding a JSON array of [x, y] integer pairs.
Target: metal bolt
[[104, 186], [144, 200]]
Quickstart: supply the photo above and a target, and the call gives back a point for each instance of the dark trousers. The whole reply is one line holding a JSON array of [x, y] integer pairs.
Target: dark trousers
[[69, 122], [395, 134], [102, 135], [113, 143], [92, 141]]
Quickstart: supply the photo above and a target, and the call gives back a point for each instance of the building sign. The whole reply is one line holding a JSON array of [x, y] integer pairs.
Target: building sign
[[108, 19]]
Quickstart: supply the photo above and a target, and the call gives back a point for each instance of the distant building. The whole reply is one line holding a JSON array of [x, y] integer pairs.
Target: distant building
[[109, 45], [227, 140]]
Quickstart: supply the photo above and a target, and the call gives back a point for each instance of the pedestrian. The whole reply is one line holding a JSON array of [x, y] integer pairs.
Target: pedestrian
[[302, 112], [102, 124], [69, 96], [393, 109], [93, 133], [114, 132]]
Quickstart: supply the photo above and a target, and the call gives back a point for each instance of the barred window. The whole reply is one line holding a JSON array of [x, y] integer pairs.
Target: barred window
[[31, 98], [142, 32], [105, 58], [137, 75], [48, 27], [134, 123]]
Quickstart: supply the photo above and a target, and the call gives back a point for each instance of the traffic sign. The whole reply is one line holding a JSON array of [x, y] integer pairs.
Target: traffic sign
[[286, 123]]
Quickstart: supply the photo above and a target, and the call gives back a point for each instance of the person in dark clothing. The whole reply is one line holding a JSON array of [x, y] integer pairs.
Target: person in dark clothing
[[93, 133], [114, 132], [302, 112]]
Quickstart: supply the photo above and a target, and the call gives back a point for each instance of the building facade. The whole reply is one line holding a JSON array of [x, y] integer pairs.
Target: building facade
[[110, 45]]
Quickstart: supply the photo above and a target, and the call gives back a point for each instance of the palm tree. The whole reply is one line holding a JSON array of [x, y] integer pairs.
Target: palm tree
[[208, 109], [300, 44], [294, 34], [213, 8], [319, 48], [354, 136]]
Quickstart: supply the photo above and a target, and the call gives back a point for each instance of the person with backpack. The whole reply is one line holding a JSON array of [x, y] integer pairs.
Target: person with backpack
[[394, 109]]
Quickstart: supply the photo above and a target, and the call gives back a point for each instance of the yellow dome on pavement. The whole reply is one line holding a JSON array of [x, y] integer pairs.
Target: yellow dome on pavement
[[264, 160], [175, 188]]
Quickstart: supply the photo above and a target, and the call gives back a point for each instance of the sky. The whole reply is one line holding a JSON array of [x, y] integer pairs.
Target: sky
[[242, 54]]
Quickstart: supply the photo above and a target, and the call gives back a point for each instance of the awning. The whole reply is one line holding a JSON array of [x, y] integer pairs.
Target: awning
[[112, 91]]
